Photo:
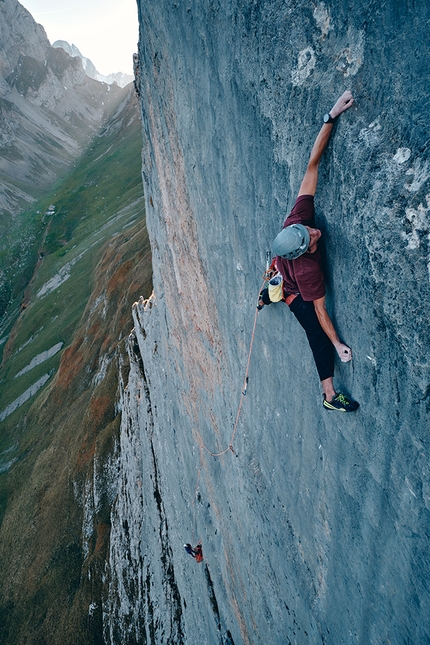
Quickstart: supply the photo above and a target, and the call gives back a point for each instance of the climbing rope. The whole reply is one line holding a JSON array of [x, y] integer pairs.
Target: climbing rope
[[266, 277], [243, 394], [193, 504]]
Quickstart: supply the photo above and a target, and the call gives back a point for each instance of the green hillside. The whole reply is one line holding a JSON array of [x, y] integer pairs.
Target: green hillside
[[91, 261], [88, 192], [99, 198]]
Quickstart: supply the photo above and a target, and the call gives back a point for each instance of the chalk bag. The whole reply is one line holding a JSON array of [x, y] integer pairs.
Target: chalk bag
[[276, 288]]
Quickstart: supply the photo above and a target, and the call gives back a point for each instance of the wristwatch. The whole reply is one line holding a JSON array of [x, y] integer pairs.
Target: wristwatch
[[328, 118]]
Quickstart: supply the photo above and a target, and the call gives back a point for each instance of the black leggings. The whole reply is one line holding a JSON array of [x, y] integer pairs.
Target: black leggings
[[320, 344]]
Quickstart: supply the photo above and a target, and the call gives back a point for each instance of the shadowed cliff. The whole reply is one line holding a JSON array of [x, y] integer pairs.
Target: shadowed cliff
[[316, 529]]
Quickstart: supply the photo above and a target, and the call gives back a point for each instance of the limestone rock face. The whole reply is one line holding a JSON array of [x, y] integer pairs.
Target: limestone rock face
[[316, 528]]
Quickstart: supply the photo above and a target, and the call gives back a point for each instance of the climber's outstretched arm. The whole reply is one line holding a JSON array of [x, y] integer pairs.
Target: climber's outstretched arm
[[310, 180], [344, 352]]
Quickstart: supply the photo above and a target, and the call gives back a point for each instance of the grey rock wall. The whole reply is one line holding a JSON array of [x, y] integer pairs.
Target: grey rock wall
[[19, 35], [316, 529]]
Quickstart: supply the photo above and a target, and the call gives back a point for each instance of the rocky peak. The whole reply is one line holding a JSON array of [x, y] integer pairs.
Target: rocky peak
[[20, 35], [49, 108], [90, 69]]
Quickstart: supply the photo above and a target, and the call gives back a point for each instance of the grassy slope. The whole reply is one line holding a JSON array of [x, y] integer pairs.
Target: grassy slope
[[48, 579], [95, 201], [40, 148]]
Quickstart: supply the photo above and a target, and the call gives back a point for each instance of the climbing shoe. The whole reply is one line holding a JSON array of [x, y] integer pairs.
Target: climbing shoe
[[340, 402]]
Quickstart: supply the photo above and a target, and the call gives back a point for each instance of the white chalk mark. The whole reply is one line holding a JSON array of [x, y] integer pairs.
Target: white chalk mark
[[418, 217], [305, 65], [352, 56], [322, 18], [421, 173], [402, 155], [409, 487]]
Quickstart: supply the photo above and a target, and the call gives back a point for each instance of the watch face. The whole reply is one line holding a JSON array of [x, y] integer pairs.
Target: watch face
[[326, 118]]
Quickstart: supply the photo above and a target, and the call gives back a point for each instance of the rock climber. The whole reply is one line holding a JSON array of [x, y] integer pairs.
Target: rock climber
[[189, 549], [196, 553], [298, 261]]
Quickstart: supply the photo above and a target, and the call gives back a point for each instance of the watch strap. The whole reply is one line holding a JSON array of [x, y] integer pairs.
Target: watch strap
[[328, 118]]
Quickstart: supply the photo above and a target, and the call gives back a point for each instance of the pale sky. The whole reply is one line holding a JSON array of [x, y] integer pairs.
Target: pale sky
[[105, 31]]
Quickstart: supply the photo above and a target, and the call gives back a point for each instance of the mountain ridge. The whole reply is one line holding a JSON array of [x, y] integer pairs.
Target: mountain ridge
[[49, 110], [120, 78], [19, 34]]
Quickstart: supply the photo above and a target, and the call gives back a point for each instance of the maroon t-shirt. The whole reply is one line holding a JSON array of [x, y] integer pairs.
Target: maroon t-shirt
[[303, 275]]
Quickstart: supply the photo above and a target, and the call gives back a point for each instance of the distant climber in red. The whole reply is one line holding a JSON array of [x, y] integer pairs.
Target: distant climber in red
[[196, 553], [298, 263]]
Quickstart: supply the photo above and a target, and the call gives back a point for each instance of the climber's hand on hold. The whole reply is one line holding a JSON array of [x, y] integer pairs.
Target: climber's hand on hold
[[344, 352], [342, 104], [263, 299]]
